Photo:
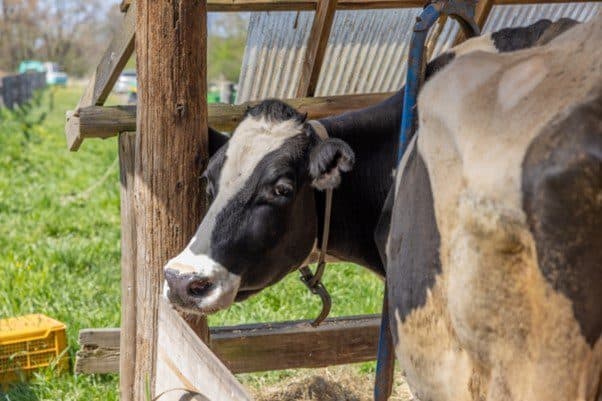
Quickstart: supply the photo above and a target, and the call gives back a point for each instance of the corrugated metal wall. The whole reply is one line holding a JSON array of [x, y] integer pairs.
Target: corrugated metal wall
[[367, 49]]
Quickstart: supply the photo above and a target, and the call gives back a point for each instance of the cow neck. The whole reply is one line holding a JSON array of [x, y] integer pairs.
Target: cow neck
[[358, 201]]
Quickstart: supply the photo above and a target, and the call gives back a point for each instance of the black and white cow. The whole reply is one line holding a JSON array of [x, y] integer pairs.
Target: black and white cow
[[495, 289], [495, 247]]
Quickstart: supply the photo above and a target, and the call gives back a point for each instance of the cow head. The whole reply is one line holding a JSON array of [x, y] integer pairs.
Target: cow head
[[261, 223]]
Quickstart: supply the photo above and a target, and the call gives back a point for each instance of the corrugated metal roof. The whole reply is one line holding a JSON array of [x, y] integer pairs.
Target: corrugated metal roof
[[367, 49]]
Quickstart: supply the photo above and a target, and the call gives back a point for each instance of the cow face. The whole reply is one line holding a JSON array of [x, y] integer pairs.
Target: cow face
[[261, 223]]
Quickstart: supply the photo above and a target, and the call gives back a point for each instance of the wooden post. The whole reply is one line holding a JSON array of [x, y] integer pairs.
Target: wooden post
[[171, 151], [316, 47], [127, 343]]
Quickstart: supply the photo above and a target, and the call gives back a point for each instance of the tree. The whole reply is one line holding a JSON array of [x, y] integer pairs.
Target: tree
[[226, 45], [72, 33]]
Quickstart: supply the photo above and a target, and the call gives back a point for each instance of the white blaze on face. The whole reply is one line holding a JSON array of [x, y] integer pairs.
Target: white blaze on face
[[252, 140]]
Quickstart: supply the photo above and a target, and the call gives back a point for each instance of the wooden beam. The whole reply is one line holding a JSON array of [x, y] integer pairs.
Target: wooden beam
[[276, 346], [104, 122], [184, 361], [281, 345], [98, 352], [111, 64], [316, 47], [127, 358], [300, 5], [260, 5], [482, 10], [171, 152]]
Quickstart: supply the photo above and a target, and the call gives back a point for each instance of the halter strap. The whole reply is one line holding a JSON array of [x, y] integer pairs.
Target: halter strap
[[313, 280]]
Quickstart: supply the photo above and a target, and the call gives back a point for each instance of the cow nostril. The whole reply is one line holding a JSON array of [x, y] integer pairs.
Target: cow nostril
[[199, 287]]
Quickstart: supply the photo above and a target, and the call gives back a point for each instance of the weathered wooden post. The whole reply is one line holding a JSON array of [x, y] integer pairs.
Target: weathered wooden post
[[127, 340], [171, 151]]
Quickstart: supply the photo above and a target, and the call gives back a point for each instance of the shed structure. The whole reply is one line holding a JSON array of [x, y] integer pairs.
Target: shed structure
[[163, 149]]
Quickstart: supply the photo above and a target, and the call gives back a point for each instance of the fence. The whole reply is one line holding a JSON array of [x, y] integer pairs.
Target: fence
[[18, 89]]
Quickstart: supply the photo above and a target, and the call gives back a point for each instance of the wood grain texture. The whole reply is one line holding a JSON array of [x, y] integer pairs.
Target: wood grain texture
[[99, 351], [281, 345], [104, 122], [127, 358], [171, 152], [111, 64], [185, 361], [285, 345], [316, 47]]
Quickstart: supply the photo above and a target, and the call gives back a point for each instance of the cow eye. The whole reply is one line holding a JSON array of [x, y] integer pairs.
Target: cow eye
[[283, 188]]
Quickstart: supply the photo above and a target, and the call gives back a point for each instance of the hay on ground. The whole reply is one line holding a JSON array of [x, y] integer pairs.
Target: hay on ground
[[329, 384]]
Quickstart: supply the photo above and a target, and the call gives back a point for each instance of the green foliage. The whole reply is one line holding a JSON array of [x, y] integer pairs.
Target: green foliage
[[60, 242], [60, 253], [225, 47]]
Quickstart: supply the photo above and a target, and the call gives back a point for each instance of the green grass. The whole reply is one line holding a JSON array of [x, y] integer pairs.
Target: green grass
[[60, 248]]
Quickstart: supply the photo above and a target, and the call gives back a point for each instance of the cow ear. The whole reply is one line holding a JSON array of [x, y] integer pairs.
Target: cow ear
[[327, 161]]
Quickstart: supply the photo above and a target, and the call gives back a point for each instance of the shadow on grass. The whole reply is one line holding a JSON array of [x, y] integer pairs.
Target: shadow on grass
[[20, 391]]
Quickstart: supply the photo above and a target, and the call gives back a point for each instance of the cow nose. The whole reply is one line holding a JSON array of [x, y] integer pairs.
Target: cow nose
[[185, 287]]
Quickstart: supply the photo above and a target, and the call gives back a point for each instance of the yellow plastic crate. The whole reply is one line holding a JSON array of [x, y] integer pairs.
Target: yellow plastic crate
[[30, 342]]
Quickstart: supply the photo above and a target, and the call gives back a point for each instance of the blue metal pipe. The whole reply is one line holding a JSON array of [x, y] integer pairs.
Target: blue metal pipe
[[414, 75]]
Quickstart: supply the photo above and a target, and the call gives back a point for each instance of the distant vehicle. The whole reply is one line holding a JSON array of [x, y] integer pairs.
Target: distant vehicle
[[133, 93], [31, 66], [54, 73], [125, 82]]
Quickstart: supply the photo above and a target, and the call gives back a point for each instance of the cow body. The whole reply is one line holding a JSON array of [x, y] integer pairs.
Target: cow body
[[495, 247]]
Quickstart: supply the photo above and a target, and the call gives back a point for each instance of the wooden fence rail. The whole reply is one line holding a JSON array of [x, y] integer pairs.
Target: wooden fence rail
[[18, 89], [105, 122], [257, 347]]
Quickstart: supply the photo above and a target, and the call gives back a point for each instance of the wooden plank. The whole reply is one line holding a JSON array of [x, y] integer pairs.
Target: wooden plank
[[101, 338], [316, 47], [299, 5], [261, 347], [127, 358], [104, 122], [185, 361], [482, 10], [296, 344], [260, 5], [171, 152], [99, 351], [111, 64]]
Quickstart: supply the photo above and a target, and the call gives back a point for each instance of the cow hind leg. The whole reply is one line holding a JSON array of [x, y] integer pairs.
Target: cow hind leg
[[562, 199]]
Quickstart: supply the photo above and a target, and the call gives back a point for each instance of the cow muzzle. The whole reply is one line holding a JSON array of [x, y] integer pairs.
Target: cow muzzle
[[200, 289]]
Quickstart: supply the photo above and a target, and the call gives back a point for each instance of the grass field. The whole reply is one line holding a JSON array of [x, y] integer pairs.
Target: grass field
[[60, 248]]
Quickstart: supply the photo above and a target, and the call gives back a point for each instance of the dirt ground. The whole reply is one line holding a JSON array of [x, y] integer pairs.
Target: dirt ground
[[328, 384]]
